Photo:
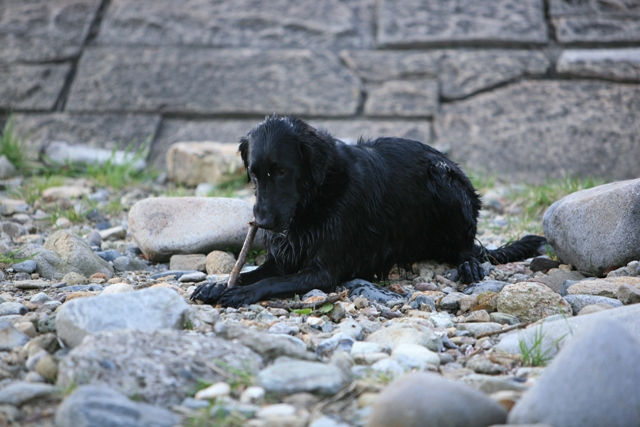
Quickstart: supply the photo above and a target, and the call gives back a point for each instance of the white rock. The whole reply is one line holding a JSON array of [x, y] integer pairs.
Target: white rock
[[214, 391]]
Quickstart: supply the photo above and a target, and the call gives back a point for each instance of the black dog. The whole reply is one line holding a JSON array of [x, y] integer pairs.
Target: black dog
[[333, 212]]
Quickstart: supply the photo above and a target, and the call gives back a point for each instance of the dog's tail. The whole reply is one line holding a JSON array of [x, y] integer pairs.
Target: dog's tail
[[519, 250]]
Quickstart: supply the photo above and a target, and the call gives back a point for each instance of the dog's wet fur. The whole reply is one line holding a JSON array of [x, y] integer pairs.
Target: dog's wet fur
[[333, 212]]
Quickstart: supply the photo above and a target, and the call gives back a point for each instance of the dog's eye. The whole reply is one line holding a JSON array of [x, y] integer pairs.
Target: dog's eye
[[282, 171]]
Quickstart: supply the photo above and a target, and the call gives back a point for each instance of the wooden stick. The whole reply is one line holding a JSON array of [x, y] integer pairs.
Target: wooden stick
[[507, 329], [242, 257]]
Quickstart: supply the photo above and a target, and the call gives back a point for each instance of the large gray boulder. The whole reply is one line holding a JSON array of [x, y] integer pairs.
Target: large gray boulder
[[535, 130], [592, 382], [165, 226], [597, 228], [427, 399], [148, 310]]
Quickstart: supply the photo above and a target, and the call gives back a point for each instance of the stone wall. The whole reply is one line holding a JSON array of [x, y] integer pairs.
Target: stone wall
[[525, 89]]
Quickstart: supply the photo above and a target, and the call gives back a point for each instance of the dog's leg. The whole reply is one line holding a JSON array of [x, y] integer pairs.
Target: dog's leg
[[469, 268], [299, 283], [209, 293]]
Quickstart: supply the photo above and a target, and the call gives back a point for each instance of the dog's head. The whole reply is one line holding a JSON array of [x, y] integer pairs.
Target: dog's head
[[287, 161]]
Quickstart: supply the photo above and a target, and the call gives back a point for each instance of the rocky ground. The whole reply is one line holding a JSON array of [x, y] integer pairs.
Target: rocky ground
[[93, 333]]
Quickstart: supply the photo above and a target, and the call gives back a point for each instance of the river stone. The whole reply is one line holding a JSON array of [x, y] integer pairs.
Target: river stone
[[50, 31], [485, 286], [531, 301], [116, 78], [596, 229], [414, 356], [427, 399], [11, 307], [28, 266], [609, 395], [159, 367], [607, 287], [148, 310], [101, 406], [276, 24], [19, 392], [192, 163], [65, 252], [559, 331], [295, 376], [577, 128], [194, 262], [164, 226], [628, 294], [578, 302], [370, 291], [220, 262], [612, 64], [10, 337], [403, 333], [558, 280], [418, 23]]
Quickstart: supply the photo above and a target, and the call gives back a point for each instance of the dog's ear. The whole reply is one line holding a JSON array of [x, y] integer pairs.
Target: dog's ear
[[243, 149], [315, 152]]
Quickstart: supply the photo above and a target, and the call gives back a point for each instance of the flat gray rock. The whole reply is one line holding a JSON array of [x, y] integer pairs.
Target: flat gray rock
[[117, 79], [418, 23], [91, 406], [611, 64], [577, 128], [50, 31], [276, 24], [578, 302], [148, 310], [19, 392], [415, 98], [427, 399], [558, 332], [296, 376], [608, 395], [597, 228], [460, 72], [165, 226], [599, 22], [10, 337], [158, 367], [31, 87]]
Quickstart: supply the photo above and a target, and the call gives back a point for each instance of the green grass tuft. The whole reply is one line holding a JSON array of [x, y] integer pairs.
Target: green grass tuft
[[12, 146]]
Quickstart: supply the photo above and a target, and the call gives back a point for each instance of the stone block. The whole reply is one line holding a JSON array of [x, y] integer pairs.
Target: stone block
[[537, 130], [398, 98], [44, 30], [610, 64], [31, 87], [417, 23], [593, 21], [212, 81], [460, 72], [240, 23]]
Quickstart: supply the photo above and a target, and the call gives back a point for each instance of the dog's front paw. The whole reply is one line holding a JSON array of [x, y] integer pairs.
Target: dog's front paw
[[470, 271], [209, 293], [240, 295]]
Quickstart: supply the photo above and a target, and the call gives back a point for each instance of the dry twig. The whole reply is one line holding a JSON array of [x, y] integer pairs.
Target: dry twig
[[242, 257]]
